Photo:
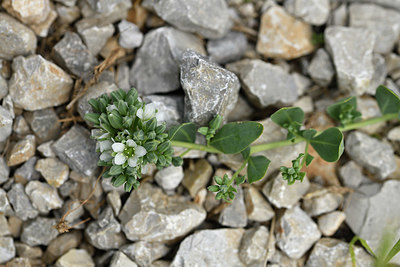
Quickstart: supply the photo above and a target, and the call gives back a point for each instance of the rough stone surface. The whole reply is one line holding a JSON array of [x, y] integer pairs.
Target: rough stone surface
[[39, 231], [227, 49], [46, 149], [4, 171], [321, 68], [37, 83], [121, 260], [315, 12], [380, 73], [321, 202], [169, 178], [258, 209], [145, 253], [61, 245], [67, 14], [44, 123], [16, 39], [276, 41], [169, 108], [265, 84], [130, 35], [329, 223], [210, 19], [22, 151], [43, 196], [27, 171], [114, 199], [21, 127], [150, 215], [235, 214], [161, 53], [7, 249], [26, 251], [371, 153], [5, 206], [339, 16], [351, 175], [4, 229], [3, 87], [253, 247], [6, 122], [110, 10], [76, 149], [75, 257], [351, 50], [53, 170], [219, 247], [198, 177]]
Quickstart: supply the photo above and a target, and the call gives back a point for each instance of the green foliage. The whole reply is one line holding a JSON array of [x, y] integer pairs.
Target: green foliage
[[213, 126], [329, 144], [317, 39], [387, 100], [345, 111], [224, 189], [257, 168], [185, 132], [289, 118], [293, 173]]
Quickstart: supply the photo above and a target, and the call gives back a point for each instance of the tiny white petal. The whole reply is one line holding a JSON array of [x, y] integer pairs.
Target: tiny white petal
[[119, 159], [149, 111], [105, 145], [140, 151], [132, 162], [118, 147], [105, 156], [131, 143], [105, 135], [139, 99], [111, 108], [139, 113]]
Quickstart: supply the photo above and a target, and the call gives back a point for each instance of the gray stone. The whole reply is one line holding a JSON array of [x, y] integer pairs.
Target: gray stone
[[29, 252], [235, 214], [282, 195], [121, 260], [114, 200], [302, 82], [20, 202], [197, 177], [258, 209], [46, 149], [73, 216], [7, 249], [17, 39], [210, 19], [334, 252], [339, 16], [243, 111], [43, 196], [130, 35], [150, 215], [21, 127], [37, 83], [305, 103], [5, 206], [394, 134], [219, 247], [4, 171], [110, 10], [145, 253], [320, 68], [161, 53], [76, 149], [255, 246], [44, 123], [296, 233], [227, 49], [27, 171], [315, 12], [95, 33], [351, 175], [122, 76], [169, 178], [351, 50], [75, 257], [61, 245], [374, 155], [39, 231], [67, 14], [4, 229], [371, 216], [369, 109], [383, 22], [105, 233], [279, 259], [329, 223], [3, 87], [72, 54], [6, 121], [169, 108], [380, 73], [53, 170], [321, 201], [265, 84], [22, 151]]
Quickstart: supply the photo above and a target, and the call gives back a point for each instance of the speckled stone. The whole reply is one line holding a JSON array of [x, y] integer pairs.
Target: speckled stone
[[7, 249], [39, 231], [121, 260], [43, 196], [145, 253], [75, 257], [6, 122], [22, 151], [44, 123], [53, 170]]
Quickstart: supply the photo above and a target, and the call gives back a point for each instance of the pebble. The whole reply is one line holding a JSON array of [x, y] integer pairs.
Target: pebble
[[166, 43], [145, 253], [6, 122], [5, 206], [169, 178], [21, 127], [197, 177], [3, 87], [227, 49], [351, 51], [130, 35], [42, 29], [321, 68], [258, 209], [265, 84], [4, 171], [7, 249], [46, 149], [235, 214], [169, 108], [114, 200], [219, 247], [15, 225], [44, 123], [339, 16], [209, 89], [329, 223], [43, 196], [67, 14], [75, 257], [122, 76], [39, 231], [352, 175], [4, 229], [376, 156], [20, 262], [26, 251], [60, 245], [121, 260], [276, 41], [305, 103], [394, 134], [76, 149], [255, 246], [22, 151], [380, 73], [27, 171], [279, 259], [150, 215], [210, 19], [110, 10], [53, 170], [321, 201], [19, 40], [296, 233], [315, 12], [37, 83]]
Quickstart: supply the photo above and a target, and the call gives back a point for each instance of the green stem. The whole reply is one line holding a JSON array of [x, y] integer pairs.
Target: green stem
[[303, 161], [237, 172], [185, 152], [195, 146], [363, 123], [273, 145]]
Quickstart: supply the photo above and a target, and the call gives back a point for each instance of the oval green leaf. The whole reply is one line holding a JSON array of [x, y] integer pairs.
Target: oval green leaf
[[335, 109], [234, 137], [257, 166], [329, 144], [185, 132], [388, 101], [288, 116]]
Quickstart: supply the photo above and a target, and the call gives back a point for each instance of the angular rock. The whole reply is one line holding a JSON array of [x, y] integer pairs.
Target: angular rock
[[27, 171], [219, 247], [114, 200], [380, 73], [61, 245], [110, 10], [227, 49], [3, 87], [43, 196], [4, 229], [37, 83], [76, 149], [22, 151], [130, 35], [334, 252], [320, 68], [72, 54], [352, 175], [75, 257], [258, 209], [374, 155], [329, 223], [15, 225], [21, 127], [67, 14], [265, 84], [321, 201], [121, 260], [144, 253], [253, 248], [19, 40], [46, 149], [53, 170], [5, 207], [164, 43], [42, 29], [296, 233], [197, 177], [6, 121], [4, 171], [210, 19], [7, 249], [279, 259], [44, 123], [339, 16], [235, 214], [277, 41], [209, 89], [26, 251], [149, 215], [315, 12], [351, 51], [169, 178], [122, 76], [39, 231]]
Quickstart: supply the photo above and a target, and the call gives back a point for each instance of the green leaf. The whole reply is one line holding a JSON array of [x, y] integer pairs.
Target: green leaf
[[177, 161], [256, 168], [219, 180], [387, 100], [395, 249], [215, 123], [95, 104], [120, 180], [185, 132], [92, 117], [240, 179], [309, 159], [335, 109], [115, 170], [288, 116], [203, 130], [115, 120], [213, 188], [245, 153], [329, 144], [234, 137], [309, 133]]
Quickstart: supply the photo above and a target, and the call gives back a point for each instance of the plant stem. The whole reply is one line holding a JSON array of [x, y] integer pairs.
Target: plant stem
[[237, 172], [363, 123], [195, 146]]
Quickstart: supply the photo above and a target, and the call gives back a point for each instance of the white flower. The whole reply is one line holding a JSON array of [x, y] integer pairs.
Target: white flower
[[132, 162], [118, 147], [140, 151], [147, 112], [105, 145], [111, 108], [120, 158]]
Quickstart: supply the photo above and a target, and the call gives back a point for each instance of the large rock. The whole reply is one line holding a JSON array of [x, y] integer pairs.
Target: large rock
[[265, 84], [37, 83], [227, 49], [315, 12], [283, 36], [209, 89], [39, 231], [150, 215], [216, 247], [15, 39], [161, 53], [351, 50], [210, 19]]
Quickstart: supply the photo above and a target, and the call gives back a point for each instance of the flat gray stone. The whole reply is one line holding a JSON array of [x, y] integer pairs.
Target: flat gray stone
[[339, 16], [114, 200], [21, 127], [3, 87], [44, 123], [22, 151], [321, 68], [253, 248], [315, 12], [46, 149], [321, 201], [67, 14], [227, 49], [161, 53], [169, 178], [7, 249], [6, 122], [169, 108], [110, 10], [20, 202], [235, 214], [210, 19], [43, 196], [380, 73], [369, 152], [145, 253], [130, 35], [39, 231], [209, 89], [122, 76]]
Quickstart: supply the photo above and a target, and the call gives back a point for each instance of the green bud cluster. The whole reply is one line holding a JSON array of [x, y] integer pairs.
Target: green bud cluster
[[293, 173], [224, 188], [348, 114], [213, 126]]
